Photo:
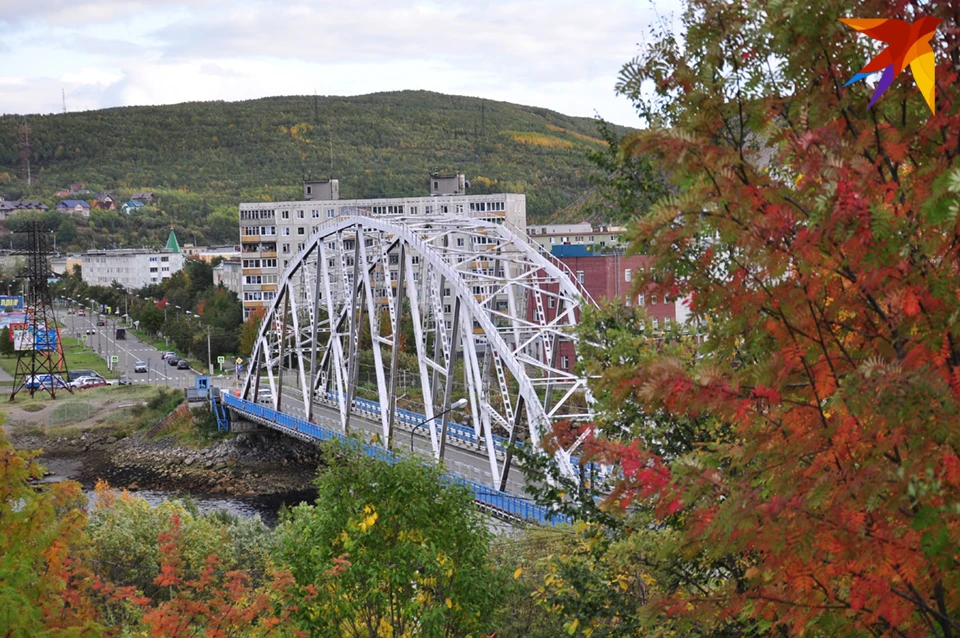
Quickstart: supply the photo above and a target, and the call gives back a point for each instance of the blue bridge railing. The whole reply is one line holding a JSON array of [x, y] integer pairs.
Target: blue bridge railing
[[514, 505]]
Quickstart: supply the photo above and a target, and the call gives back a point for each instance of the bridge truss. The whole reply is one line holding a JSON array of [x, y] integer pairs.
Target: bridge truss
[[486, 317]]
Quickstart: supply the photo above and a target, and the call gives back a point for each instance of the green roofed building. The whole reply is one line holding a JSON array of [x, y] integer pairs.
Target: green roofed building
[[172, 244]]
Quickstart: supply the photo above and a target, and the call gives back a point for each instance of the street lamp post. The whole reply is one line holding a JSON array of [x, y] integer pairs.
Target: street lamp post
[[459, 403]]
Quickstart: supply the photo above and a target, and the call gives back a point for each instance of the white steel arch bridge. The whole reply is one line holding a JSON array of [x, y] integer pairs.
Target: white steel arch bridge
[[488, 318]]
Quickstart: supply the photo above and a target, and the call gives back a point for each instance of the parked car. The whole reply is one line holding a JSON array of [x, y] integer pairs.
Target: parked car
[[69, 311], [44, 382], [121, 334], [140, 366], [166, 355], [183, 364], [173, 361], [122, 380], [265, 396], [73, 375], [89, 382], [81, 313]]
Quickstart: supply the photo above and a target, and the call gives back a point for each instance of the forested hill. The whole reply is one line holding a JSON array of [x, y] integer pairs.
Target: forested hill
[[382, 144]]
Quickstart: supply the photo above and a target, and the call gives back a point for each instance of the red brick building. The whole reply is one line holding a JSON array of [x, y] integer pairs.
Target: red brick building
[[608, 276]]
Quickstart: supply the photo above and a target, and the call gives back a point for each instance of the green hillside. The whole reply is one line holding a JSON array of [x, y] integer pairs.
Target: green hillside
[[204, 157]]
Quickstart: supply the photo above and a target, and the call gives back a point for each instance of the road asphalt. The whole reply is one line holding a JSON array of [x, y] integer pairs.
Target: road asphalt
[[128, 351]]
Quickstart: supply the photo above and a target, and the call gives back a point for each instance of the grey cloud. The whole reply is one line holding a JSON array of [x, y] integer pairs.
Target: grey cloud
[[527, 40], [216, 69]]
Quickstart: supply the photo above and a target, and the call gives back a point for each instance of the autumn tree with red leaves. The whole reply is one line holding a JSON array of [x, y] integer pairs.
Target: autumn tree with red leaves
[[817, 242]]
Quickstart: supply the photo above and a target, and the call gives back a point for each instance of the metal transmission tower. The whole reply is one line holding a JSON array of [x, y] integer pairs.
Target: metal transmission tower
[[40, 358]]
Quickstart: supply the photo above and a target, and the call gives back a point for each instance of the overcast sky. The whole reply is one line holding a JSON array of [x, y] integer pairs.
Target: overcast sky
[[557, 54]]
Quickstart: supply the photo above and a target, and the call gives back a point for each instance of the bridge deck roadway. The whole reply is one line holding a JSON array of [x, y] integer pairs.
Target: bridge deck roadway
[[460, 458]]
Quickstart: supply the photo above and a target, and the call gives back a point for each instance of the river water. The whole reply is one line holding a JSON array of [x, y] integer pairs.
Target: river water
[[266, 506]]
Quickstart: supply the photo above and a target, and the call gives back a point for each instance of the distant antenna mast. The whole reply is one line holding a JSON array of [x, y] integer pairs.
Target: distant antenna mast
[[63, 93]]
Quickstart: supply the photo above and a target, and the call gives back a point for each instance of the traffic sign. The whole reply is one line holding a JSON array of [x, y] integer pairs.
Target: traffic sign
[[83, 337], [239, 361], [114, 358], [221, 359]]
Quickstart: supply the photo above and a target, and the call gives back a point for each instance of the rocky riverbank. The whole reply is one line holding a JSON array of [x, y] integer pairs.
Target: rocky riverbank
[[261, 463]]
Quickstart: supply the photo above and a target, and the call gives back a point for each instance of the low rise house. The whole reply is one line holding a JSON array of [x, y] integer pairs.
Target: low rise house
[[131, 206], [104, 205], [9, 207], [144, 197], [74, 206]]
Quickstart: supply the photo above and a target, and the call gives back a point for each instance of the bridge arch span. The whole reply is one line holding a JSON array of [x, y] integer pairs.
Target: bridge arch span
[[424, 311]]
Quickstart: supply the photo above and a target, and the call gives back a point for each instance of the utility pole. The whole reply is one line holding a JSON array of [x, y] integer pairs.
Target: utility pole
[[209, 356], [25, 148], [63, 92]]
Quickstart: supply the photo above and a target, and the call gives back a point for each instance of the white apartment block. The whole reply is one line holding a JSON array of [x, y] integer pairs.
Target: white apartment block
[[131, 268], [230, 274], [273, 233], [583, 234]]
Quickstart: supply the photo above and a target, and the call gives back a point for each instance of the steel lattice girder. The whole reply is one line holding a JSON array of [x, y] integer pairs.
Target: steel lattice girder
[[494, 318]]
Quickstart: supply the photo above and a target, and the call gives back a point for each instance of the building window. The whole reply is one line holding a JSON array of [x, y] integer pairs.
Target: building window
[[446, 309], [580, 276], [331, 213], [550, 302], [285, 214], [460, 241], [565, 362], [446, 292], [656, 324], [627, 275], [285, 232], [309, 190], [285, 248], [299, 214], [315, 213], [653, 299], [301, 230], [436, 185], [640, 300]]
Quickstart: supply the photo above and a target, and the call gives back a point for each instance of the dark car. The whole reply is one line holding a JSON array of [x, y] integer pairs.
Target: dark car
[[173, 361], [101, 322], [183, 364]]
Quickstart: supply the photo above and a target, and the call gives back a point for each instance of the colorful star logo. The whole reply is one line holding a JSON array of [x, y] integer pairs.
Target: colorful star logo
[[906, 44]]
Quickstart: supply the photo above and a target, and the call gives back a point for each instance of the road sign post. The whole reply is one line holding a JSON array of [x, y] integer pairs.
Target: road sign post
[[220, 360]]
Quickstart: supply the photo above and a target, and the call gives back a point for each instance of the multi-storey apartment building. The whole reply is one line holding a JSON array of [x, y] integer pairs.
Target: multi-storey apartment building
[[599, 236], [273, 233], [131, 268]]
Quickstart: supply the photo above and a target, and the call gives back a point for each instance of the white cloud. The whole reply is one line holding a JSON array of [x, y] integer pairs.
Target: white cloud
[[556, 54]]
